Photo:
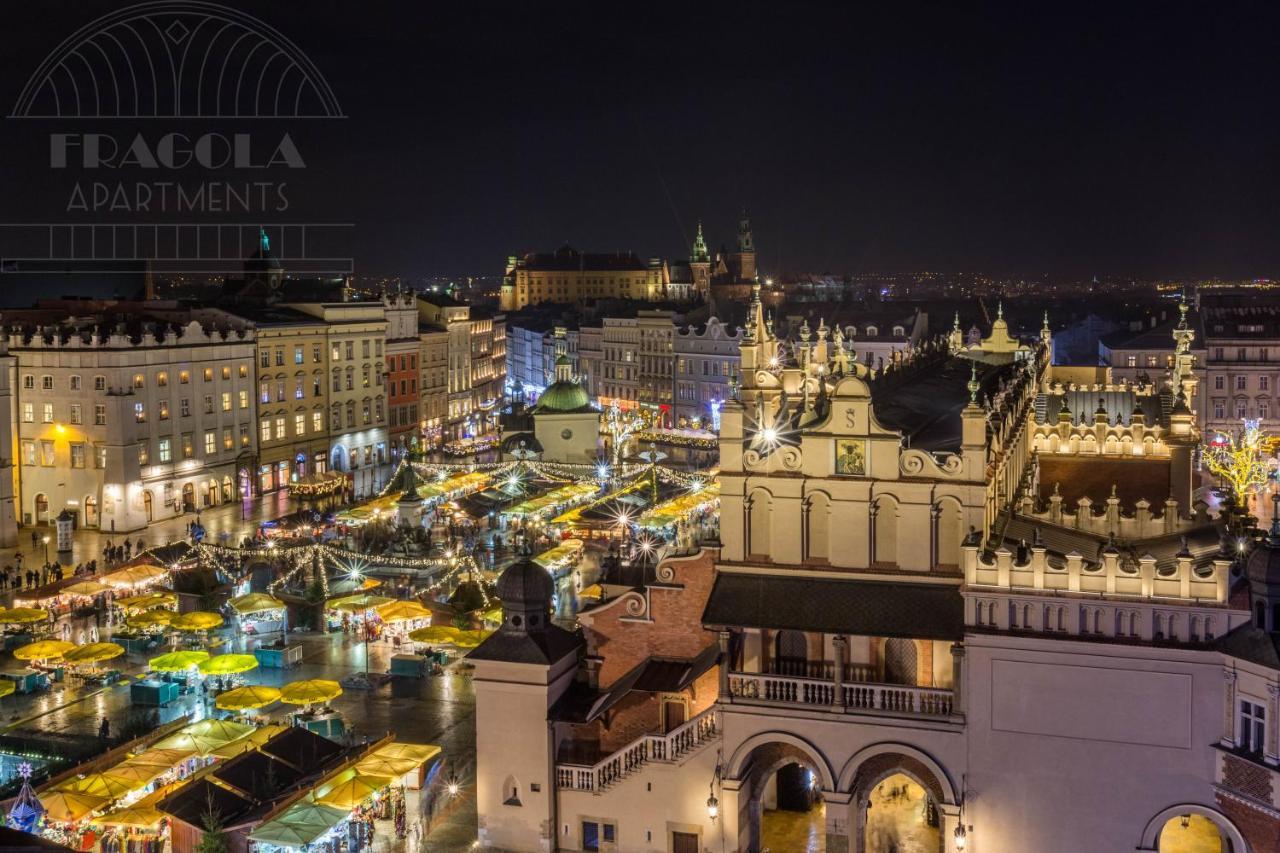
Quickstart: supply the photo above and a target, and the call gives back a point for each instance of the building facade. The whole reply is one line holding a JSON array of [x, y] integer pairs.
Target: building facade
[[355, 339], [568, 275], [292, 434], [706, 372], [130, 413], [404, 395], [899, 643]]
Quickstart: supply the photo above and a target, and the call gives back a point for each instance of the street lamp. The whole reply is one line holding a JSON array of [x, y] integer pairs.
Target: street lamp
[[960, 837], [45, 540]]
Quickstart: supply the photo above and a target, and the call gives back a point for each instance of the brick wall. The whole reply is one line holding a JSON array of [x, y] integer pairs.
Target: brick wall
[[674, 628], [1260, 829]]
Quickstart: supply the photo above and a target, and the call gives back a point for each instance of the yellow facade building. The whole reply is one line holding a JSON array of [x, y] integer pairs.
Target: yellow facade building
[[567, 275]]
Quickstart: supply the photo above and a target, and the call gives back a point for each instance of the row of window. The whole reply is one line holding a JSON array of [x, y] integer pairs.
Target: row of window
[[184, 406], [164, 445], [403, 415], [1241, 410], [407, 362], [277, 428], [43, 453], [75, 414], [337, 352], [1242, 354], [1241, 383], [74, 382]]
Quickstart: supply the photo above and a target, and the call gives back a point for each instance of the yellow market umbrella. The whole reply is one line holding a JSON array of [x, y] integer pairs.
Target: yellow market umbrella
[[196, 620], [136, 775], [132, 576], [43, 650], [199, 745], [150, 618], [148, 601], [353, 791], [376, 765], [177, 661], [224, 730], [228, 664], [99, 785], [403, 611], [143, 817], [253, 740], [7, 687], [247, 698], [470, 639], [256, 602], [93, 653], [371, 583], [310, 692], [157, 757], [84, 588], [357, 603], [434, 634], [22, 615], [419, 752], [69, 806]]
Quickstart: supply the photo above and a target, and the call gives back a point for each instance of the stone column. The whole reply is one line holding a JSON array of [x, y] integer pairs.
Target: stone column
[[1272, 753], [724, 667], [840, 644], [957, 678], [1229, 724], [837, 820]]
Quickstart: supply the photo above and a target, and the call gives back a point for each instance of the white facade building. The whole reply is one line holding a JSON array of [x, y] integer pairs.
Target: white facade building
[[135, 422]]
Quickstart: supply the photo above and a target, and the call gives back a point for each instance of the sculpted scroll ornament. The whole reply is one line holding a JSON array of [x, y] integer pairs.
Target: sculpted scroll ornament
[[914, 463], [788, 456]]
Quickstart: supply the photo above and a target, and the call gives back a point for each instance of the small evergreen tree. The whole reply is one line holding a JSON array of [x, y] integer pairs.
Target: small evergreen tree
[[214, 838]]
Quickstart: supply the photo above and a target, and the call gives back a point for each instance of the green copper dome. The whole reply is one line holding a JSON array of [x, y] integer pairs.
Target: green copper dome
[[562, 396]]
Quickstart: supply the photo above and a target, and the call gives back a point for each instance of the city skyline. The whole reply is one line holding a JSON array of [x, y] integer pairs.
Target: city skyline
[[927, 139]]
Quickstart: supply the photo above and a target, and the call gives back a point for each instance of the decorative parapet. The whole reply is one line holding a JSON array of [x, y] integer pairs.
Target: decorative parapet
[[1101, 439], [1110, 520], [120, 336], [1108, 576]]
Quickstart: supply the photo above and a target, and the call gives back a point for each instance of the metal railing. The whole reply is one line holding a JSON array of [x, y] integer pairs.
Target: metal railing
[[650, 747]]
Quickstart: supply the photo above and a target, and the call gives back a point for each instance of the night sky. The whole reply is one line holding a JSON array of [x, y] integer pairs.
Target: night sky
[[1122, 139]]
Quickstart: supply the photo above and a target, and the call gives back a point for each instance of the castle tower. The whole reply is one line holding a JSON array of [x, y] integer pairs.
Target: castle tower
[[745, 257], [700, 264], [520, 672]]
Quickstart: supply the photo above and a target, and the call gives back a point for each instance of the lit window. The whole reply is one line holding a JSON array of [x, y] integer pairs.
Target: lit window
[[226, 371], [244, 435], [317, 421], [139, 413], [280, 433], [188, 446], [46, 413], [143, 454], [244, 371], [226, 401], [266, 431], [210, 444], [164, 410], [244, 399], [228, 440], [300, 424], [165, 453], [298, 357], [184, 377], [28, 453], [162, 379], [208, 374], [28, 413]]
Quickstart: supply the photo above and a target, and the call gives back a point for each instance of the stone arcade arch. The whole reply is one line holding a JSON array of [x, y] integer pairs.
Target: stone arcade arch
[[864, 772], [1233, 841], [755, 762]]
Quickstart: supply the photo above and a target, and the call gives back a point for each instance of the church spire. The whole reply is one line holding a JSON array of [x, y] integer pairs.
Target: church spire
[[700, 255]]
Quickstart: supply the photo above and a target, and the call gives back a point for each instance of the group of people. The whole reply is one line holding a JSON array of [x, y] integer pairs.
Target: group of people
[[14, 577], [121, 553]]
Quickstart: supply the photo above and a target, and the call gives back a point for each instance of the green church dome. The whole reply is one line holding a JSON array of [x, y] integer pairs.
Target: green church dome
[[562, 396]]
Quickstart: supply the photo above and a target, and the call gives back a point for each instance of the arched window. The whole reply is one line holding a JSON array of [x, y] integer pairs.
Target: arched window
[[511, 791], [949, 534], [900, 661], [886, 532], [819, 527], [791, 654], [758, 526]]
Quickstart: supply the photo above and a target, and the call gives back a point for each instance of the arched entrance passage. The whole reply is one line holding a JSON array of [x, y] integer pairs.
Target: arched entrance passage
[[188, 497], [1193, 828], [780, 805], [148, 506], [42, 508], [902, 800], [338, 458], [90, 511]]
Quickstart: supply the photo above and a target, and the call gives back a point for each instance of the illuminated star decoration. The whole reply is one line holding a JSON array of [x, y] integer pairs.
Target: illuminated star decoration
[[24, 770], [768, 434]]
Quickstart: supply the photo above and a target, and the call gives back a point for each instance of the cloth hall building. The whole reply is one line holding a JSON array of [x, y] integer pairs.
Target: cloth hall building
[[960, 601]]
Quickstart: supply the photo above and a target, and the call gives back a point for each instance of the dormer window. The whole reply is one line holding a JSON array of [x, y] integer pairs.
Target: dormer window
[[872, 331], [899, 331]]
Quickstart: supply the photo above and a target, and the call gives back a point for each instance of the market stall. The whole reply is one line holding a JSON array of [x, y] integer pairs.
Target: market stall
[[258, 613]]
